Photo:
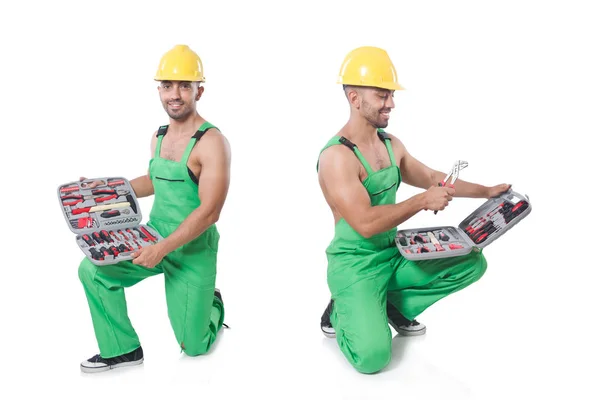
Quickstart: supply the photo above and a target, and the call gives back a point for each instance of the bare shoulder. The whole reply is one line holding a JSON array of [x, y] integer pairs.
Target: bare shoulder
[[213, 144], [153, 141], [336, 159]]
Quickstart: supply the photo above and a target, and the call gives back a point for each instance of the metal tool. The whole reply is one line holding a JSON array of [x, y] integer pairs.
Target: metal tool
[[437, 245], [452, 174]]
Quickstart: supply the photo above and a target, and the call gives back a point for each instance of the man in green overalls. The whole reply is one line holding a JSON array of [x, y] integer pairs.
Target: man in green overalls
[[360, 170], [189, 176]]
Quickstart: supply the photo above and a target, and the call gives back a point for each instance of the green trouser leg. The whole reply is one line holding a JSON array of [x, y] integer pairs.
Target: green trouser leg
[[104, 289], [362, 282], [417, 285], [195, 313]]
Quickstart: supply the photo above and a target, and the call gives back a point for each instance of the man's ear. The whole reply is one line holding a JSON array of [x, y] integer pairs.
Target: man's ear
[[200, 91], [354, 98]]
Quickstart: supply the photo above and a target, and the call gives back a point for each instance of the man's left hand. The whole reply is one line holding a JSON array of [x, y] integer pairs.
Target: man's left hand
[[497, 190], [148, 256]]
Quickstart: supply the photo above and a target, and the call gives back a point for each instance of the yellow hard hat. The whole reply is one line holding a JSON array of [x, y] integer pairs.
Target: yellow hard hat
[[180, 64], [369, 66]]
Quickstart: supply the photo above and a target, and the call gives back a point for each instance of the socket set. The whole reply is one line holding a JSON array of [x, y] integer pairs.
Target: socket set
[[106, 217], [483, 226]]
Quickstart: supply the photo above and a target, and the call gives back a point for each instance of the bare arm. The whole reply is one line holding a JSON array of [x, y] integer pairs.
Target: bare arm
[[213, 185], [340, 181], [417, 174]]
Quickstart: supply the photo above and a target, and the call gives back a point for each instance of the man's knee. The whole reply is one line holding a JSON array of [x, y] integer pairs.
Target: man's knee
[[479, 267], [374, 358], [194, 349]]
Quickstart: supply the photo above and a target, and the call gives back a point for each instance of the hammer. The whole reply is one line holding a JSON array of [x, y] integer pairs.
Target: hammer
[[129, 203]]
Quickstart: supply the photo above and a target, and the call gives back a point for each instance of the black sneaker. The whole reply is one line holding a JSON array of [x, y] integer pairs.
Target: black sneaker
[[220, 297], [402, 325], [99, 364], [326, 326]]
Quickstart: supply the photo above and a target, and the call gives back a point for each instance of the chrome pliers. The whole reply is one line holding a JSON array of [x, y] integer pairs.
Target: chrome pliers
[[453, 174]]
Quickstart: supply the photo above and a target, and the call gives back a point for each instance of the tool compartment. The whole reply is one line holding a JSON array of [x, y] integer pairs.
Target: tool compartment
[[106, 219], [479, 229]]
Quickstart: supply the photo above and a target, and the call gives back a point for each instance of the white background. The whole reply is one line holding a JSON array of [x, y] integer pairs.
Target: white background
[[512, 87]]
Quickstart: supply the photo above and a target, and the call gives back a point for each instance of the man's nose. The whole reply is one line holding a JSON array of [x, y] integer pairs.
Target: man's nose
[[175, 93], [389, 103]]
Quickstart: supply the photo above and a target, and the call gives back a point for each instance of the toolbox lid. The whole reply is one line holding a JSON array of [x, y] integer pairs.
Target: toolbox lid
[[506, 210], [78, 195]]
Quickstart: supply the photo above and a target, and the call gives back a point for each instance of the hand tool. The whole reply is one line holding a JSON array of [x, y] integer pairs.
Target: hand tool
[[454, 246], [104, 251], [120, 232], [96, 255], [422, 249], [454, 174], [437, 245], [402, 239], [97, 238], [119, 192], [104, 235], [144, 237], [110, 214], [88, 240], [100, 208], [78, 198], [150, 236], [69, 189], [516, 210], [113, 250], [443, 236], [116, 183], [420, 238]]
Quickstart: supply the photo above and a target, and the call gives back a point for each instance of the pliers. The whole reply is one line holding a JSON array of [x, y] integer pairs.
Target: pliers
[[77, 198], [452, 174]]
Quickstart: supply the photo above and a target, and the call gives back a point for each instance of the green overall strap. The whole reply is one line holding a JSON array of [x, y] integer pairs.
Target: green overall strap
[[162, 131], [388, 145], [199, 133], [358, 154]]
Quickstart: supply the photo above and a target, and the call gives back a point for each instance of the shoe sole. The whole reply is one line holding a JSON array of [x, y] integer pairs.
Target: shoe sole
[[92, 370], [403, 332], [330, 335]]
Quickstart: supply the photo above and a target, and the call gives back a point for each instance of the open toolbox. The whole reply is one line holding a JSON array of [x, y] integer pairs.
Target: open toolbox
[[483, 226], [105, 215]]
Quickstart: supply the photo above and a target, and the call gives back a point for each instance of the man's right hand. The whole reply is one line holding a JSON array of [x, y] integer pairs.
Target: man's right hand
[[437, 197]]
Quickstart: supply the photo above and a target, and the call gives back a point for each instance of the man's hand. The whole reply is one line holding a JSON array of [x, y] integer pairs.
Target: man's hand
[[497, 190], [149, 256], [93, 184], [437, 197]]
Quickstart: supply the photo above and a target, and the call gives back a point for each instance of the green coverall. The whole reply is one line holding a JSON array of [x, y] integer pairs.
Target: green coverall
[[363, 274], [195, 313]]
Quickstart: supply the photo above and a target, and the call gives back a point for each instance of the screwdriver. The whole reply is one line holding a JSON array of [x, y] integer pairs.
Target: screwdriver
[[97, 238], [152, 238], [88, 240], [95, 254]]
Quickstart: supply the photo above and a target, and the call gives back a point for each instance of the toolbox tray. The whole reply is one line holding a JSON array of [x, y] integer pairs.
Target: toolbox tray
[[121, 213], [463, 235]]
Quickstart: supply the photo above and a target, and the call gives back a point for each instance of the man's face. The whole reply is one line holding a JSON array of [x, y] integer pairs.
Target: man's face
[[376, 105], [179, 98]]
